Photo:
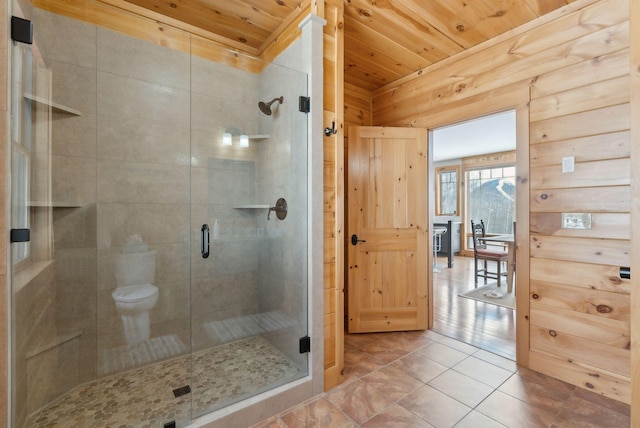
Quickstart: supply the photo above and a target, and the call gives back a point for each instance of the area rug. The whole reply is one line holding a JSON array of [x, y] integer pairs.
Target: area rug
[[491, 294]]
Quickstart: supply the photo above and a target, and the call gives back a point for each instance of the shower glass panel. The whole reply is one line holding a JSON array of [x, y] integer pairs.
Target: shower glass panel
[[248, 296], [121, 151]]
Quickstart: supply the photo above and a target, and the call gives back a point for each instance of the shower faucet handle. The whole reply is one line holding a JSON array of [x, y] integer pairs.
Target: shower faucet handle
[[280, 209]]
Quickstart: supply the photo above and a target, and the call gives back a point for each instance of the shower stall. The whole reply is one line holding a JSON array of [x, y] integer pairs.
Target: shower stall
[[166, 198]]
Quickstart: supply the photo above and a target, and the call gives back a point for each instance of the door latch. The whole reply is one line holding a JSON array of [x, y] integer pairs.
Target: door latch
[[355, 240]]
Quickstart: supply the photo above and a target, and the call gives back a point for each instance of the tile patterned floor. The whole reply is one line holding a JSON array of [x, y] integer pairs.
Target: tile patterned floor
[[144, 397], [423, 379]]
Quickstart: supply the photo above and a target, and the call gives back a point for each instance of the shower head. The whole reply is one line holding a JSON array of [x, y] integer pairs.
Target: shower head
[[266, 107]]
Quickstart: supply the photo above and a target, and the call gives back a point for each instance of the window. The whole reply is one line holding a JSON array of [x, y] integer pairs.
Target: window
[[491, 197], [447, 196]]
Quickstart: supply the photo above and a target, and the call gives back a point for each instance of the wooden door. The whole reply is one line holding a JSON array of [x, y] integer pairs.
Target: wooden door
[[389, 268]]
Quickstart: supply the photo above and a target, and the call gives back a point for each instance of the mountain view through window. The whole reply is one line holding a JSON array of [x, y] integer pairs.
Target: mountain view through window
[[492, 197]]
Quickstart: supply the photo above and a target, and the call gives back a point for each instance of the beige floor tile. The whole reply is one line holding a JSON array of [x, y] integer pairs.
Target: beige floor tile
[[550, 394], [273, 422], [457, 345], [461, 387], [482, 371], [545, 380], [318, 413], [603, 401], [478, 420], [442, 354], [393, 382], [420, 367], [396, 416], [433, 406], [496, 360], [359, 400], [580, 412], [359, 363], [512, 412], [357, 341], [433, 335], [413, 340], [385, 351]]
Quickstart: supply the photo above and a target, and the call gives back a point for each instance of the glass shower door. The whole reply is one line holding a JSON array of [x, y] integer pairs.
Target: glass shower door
[[35, 336], [249, 274], [100, 294]]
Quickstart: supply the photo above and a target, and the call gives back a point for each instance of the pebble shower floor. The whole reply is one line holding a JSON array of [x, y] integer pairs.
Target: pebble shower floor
[[144, 397]]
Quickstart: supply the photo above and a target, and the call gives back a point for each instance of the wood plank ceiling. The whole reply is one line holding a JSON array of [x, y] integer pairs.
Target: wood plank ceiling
[[384, 39]]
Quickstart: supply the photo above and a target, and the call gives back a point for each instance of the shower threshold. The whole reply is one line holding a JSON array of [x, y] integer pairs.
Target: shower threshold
[[144, 397]]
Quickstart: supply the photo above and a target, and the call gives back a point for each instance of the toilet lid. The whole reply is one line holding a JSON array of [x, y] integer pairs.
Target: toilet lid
[[134, 293]]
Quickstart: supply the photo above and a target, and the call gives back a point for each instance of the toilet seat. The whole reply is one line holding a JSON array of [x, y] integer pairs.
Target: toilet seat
[[134, 293]]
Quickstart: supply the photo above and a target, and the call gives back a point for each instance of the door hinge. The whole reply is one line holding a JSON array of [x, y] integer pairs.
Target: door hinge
[[20, 235], [305, 104], [21, 30], [305, 344]]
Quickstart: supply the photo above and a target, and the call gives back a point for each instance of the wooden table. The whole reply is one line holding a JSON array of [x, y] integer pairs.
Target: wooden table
[[511, 255]]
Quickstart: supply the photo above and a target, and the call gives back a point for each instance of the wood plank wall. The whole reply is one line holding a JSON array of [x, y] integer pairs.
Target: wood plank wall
[[580, 307], [357, 106], [575, 63], [333, 189], [634, 69]]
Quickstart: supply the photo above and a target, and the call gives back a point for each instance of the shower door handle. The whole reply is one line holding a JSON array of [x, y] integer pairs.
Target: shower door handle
[[204, 241]]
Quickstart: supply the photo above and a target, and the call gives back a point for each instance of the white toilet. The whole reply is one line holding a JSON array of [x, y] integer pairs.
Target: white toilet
[[136, 294]]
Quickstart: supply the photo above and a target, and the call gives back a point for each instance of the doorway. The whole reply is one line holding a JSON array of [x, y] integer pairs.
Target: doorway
[[474, 176]]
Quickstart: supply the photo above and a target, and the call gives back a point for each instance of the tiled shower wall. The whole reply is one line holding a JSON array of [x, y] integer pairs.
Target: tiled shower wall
[[144, 157]]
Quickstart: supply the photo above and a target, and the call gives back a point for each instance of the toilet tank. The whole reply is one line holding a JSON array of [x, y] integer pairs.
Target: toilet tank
[[135, 268]]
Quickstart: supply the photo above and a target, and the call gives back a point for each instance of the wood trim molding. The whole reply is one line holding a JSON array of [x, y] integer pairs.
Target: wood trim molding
[[334, 189], [634, 71], [438, 186], [286, 28], [477, 106], [521, 234], [491, 159]]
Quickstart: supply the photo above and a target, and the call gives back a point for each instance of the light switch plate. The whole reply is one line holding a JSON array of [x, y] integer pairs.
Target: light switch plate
[[576, 220], [568, 164]]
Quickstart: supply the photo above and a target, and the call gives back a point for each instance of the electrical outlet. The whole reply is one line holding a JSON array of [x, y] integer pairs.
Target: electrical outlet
[[576, 220], [568, 164]]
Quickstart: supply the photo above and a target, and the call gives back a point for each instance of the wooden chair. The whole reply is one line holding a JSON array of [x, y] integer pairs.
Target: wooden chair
[[483, 253]]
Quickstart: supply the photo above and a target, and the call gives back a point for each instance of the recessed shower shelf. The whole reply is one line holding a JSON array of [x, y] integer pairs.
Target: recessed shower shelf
[[55, 106], [259, 137], [251, 206], [53, 342], [40, 204]]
